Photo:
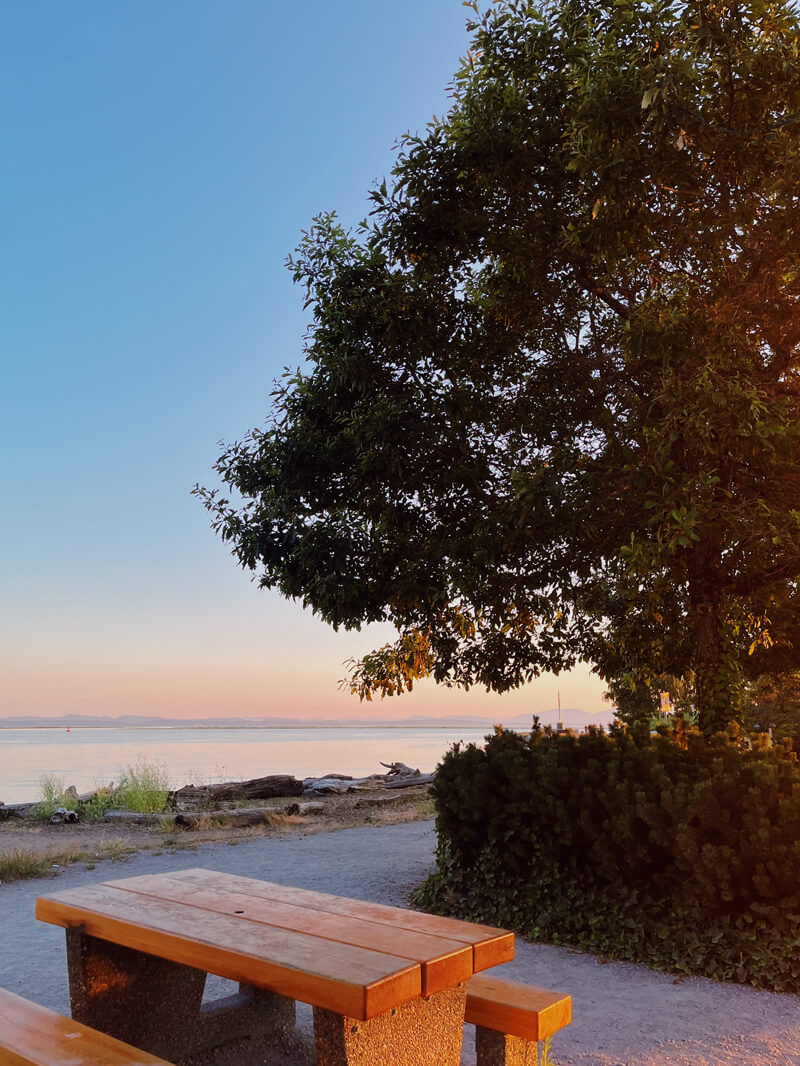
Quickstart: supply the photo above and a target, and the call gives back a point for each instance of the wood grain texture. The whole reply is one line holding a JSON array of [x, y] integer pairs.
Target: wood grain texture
[[444, 962], [491, 946], [340, 977], [31, 1035], [516, 1009]]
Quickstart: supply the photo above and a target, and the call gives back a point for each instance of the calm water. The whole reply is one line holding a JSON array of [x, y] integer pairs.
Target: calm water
[[89, 757]]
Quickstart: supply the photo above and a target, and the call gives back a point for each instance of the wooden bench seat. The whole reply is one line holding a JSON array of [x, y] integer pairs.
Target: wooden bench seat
[[510, 1019], [31, 1035]]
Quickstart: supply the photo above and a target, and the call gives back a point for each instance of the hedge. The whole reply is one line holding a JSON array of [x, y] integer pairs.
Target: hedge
[[672, 850]]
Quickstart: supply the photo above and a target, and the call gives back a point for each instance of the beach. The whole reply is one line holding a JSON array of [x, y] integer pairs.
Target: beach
[[30, 847]]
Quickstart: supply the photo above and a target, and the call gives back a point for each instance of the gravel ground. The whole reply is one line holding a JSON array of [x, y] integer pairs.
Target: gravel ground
[[623, 1015]]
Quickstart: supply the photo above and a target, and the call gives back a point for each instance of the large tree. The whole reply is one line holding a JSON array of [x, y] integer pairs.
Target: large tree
[[551, 404]]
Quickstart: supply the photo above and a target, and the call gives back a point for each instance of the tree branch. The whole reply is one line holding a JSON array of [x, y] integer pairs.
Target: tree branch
[[746, 584], [597, 290]]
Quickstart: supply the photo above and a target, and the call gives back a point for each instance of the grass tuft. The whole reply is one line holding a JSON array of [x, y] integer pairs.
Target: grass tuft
[[25, 863], [51, 796], [22, 864], [143, 787]]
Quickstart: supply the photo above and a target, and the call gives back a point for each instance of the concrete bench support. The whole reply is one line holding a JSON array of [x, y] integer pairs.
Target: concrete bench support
[[434, 1024], [157, 1005], [500, 1049]]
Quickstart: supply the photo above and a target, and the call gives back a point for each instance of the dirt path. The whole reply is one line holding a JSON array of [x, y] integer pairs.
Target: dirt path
[[623, 1014]]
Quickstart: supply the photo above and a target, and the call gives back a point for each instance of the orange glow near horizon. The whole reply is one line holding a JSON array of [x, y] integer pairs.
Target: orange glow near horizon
[[208, 691], [253, 655]]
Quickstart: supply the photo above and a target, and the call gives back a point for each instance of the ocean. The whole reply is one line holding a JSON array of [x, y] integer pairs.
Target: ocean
[[88, 757]]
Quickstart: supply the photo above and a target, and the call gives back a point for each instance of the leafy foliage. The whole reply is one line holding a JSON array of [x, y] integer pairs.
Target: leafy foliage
[[640, 704], [96, 806], [553, 408], [673, 850], [773, 703]]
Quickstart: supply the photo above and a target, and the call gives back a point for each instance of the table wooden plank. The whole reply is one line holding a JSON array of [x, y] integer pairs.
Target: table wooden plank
[[339, 977], [444, 962], [490, 946], [31, 1035]]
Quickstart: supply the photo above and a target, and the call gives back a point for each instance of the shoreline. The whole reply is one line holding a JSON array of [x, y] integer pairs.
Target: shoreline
[[35, 849], [297, 725], [91, 756]]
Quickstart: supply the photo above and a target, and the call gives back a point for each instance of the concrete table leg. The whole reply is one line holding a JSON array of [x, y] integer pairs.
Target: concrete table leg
[[501, 1049], [146, 1001], [424, 1032], [252, 1013], [157, 1005]]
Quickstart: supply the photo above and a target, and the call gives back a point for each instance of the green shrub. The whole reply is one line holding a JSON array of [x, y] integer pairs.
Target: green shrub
[[96, 806], [143, 787], [51, 796], [672, 850]]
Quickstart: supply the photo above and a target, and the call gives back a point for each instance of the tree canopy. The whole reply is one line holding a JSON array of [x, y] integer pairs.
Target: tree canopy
[[550, 407]]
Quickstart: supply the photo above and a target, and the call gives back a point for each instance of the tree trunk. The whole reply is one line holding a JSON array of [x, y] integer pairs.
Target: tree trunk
[[716, 675]]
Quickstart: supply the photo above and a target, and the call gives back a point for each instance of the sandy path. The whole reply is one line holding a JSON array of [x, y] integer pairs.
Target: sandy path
[[623, 1014]]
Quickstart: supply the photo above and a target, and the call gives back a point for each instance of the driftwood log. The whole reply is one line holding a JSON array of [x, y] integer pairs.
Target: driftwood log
[[85, 797], [399, 776], [399, 769], [15, 810], [335, 784], [136, 818], [402, 776], [330, 786], [230, 791], [410, 782], [245, 816]]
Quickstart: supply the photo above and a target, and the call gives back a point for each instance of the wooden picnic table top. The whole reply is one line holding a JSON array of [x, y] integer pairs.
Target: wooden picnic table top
[[349, 956]]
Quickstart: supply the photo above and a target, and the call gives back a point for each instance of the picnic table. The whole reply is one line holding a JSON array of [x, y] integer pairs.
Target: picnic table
[[387, 985]]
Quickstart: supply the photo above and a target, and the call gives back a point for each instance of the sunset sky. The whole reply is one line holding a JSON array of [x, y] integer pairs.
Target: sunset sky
[[160, 162]]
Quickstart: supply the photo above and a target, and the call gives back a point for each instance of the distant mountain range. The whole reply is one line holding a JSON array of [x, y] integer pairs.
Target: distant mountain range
[[572, 717]]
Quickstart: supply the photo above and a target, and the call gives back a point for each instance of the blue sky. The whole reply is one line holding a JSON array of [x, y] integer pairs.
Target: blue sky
[[160, 162]]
